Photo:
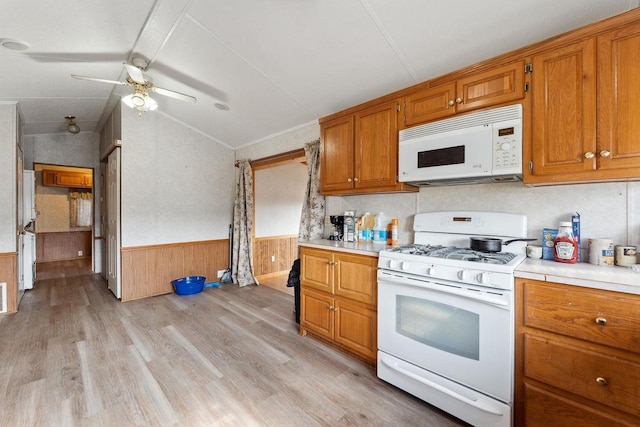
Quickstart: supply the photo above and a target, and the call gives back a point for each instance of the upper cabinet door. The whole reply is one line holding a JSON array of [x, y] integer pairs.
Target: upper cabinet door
[[564, 110], [337, 165], [618, 92], [376, 147], [496, 86], [429, 104]]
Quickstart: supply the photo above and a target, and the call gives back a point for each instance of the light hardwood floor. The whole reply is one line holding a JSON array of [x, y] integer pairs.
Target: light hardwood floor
[[229, 356]]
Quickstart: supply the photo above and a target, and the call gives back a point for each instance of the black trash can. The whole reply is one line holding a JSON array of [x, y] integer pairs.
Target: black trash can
[[294, 282]]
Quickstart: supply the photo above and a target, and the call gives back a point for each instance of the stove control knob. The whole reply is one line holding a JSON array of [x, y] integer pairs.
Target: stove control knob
[[431, 271], [484, 278], [463, 274], [405, 266], [393, 264]]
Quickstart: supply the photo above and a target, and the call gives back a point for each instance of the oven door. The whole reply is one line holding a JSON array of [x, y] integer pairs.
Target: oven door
[[461, 332]]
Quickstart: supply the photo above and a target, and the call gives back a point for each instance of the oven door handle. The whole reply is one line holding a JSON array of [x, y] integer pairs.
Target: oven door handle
[[472, 402], [445, 289]]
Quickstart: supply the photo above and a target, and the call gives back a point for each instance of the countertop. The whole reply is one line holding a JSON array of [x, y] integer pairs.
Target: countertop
[[361, 248], [612, 278]]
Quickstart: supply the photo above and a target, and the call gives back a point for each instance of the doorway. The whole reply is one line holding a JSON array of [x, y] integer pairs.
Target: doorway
[[64, 226], [279, 185]]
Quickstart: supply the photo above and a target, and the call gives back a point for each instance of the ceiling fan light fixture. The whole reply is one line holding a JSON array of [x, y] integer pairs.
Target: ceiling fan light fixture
[[72, 127], [141, 101]]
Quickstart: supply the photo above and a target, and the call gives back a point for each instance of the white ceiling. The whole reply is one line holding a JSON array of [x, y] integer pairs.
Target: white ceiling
[[278, 64]]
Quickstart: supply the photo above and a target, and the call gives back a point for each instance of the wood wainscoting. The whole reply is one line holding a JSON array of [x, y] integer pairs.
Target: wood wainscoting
[[8, 275], [148, 270], [63, 245], [283, 249]]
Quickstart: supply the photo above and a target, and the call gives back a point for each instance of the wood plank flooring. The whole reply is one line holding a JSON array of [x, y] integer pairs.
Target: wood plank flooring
[[229, 356]]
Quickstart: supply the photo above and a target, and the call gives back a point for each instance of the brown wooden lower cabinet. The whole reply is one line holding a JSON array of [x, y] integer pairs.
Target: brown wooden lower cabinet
[[338, 300], [577, 356]]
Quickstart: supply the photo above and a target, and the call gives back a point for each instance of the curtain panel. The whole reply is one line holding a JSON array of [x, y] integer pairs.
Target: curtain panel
[[242, 256], [313, 207]]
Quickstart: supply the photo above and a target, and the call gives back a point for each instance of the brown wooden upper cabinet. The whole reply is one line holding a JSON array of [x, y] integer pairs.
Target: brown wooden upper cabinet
[[360, 152], [498, 85], [59, 178], [585, 110]]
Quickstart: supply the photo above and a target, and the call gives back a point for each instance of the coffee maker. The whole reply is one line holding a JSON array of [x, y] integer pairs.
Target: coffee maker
[[338, 227]]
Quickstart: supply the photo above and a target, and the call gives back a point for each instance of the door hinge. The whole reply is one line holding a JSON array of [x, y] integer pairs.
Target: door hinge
[[531, 166], [526, 87], [398, 107], [528, 68]]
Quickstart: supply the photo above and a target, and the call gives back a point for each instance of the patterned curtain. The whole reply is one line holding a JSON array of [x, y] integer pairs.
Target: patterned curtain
[[312, 218], [242, 265], [80, 208]]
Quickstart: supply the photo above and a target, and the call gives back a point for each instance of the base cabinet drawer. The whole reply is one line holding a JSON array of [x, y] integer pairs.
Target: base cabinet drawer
[[608, 380], [546, 409]]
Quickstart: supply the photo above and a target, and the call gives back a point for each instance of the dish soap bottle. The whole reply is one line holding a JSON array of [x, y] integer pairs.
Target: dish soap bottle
[[565, 247]]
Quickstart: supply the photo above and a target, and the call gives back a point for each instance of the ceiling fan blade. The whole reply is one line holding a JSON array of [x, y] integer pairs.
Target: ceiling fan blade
[[93, 79], [135, 73], [174, 94]]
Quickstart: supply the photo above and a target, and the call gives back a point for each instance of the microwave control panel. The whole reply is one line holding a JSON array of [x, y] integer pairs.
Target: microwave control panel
[[507, 147]]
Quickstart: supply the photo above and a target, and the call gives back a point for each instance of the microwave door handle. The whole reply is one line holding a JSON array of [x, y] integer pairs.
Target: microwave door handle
[[444, 290], [475, 403]]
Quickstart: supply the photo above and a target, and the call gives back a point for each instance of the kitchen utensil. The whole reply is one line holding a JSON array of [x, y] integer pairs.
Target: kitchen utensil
[[492, 244]]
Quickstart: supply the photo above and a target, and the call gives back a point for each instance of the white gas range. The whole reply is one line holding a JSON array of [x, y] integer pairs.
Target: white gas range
[[445, 314]]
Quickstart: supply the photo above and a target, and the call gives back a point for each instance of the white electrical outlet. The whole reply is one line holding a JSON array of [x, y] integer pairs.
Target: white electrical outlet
[[79, 253], [221, 273]]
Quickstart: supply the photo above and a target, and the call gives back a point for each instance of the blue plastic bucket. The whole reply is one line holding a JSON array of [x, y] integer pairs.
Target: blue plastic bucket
[[189, 285]]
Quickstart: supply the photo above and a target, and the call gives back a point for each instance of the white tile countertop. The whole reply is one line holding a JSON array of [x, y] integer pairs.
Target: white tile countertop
[[612, 278], [361, 248]]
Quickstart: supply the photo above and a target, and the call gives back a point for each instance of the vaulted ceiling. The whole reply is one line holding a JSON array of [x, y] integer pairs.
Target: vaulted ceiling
[[277, 64]]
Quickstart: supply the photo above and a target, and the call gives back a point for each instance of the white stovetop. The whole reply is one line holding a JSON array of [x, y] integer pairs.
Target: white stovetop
[[613, 278]]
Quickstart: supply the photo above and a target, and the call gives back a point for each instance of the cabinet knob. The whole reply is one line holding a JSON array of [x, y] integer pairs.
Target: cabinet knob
[[459, 100], [589, 155], [602, 382], [331, 262], [605, 153], [349, 179], [355, 180], [330, 307], [601, 321], [451, 102]]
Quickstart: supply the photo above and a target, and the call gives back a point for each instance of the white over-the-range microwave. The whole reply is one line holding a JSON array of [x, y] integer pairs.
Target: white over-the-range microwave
[[476, 147]]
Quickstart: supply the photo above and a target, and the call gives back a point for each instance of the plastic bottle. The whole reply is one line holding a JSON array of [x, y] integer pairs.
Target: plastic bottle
[[565, 247], [394, 232], [368, 221], [380, 229]]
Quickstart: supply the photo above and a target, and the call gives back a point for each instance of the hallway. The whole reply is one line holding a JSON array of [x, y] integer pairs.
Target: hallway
[[74, 355]]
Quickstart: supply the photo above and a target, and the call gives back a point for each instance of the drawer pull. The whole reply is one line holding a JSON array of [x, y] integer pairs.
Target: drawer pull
[[601, 321], [601, 381]]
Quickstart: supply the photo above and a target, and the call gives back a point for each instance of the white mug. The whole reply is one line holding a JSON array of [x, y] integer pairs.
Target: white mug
[[534, 251]]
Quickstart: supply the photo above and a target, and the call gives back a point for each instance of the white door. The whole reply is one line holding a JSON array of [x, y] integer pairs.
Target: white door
[[113, 223]]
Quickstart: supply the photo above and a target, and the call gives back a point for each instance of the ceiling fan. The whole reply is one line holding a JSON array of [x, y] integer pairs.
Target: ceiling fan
[[140, 99]]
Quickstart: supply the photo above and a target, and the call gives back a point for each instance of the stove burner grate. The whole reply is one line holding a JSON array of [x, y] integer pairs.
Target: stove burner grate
[[453, 252]]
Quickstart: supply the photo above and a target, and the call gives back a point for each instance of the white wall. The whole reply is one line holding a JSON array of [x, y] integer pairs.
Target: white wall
[[279, 197], [177, 185], [8, 195]]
